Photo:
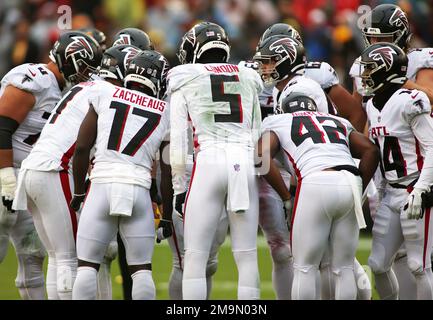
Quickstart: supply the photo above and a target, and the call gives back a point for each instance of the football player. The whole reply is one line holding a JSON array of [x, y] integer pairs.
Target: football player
[[400, 124], [389, 23], [127, 127], [222, 101], [46, 175], [28, 94], [318, 148]]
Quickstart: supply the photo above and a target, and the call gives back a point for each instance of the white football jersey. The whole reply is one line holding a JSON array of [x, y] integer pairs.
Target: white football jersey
[[131, 127], [418, 59], [322, 73], [310, 88], [311, 141], [56, 145], [220, 99], [399, 138], [42, 84]]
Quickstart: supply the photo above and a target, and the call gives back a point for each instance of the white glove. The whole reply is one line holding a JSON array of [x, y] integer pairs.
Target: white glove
[[413, 207], [8, 182]]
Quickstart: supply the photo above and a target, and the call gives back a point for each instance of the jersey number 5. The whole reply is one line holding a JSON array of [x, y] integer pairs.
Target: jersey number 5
[[218, 94], [116, 132]]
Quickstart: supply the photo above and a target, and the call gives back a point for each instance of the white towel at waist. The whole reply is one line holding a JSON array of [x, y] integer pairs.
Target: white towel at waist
[[20, 197], [238, 163], [357, 197], [121, 199]]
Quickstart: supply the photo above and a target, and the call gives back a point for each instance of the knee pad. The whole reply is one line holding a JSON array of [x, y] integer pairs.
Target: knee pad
[[377, 267], [280, 253], [416, 267], [111, 252], [30, 272], [211, 267]]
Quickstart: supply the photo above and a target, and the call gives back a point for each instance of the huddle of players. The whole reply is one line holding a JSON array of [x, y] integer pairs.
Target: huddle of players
[[305, 137]]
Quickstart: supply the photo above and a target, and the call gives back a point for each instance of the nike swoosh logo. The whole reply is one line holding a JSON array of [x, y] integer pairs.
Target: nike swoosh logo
[[413, 97], [33, 74]]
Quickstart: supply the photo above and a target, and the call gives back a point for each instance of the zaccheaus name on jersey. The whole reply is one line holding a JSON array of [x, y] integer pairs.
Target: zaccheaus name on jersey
[[139, 99]]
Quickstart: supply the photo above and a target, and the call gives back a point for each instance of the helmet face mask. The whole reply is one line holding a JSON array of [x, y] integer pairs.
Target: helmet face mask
[[384, 65], [279, 57], [77, 56]]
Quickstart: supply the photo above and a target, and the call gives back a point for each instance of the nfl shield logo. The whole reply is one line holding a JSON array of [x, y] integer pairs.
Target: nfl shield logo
[[379, 118], [237, 167]]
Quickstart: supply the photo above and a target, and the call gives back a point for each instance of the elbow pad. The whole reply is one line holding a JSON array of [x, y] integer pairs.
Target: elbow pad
[[7, 128]]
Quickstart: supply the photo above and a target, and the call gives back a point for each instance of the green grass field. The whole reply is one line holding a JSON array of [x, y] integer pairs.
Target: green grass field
[[225, 280]]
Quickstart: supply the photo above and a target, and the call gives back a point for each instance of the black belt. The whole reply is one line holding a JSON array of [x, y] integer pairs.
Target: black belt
[[400, 186], [352, 169]]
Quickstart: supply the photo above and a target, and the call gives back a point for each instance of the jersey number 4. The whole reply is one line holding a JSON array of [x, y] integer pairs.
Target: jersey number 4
[[391, 146], [305, 128], [116, 132], [218, 95]]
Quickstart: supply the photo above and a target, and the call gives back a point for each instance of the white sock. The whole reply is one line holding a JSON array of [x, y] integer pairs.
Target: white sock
[[387, 285], [194, 289], [66, 274], [245, 293], [406, 279], [363, 283], [104, 286], [175, 284], [36, 293], [304, 283], [327, 288], [282, 278], [85, 284], [345, 284], [52, 280], [424, 286], [143, 287]]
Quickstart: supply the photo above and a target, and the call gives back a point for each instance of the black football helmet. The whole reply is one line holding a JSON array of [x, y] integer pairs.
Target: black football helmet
[[148, 71], [98, 35], [115, 61], [280, 29], [77, 56], [296, 101], [287, 54], [201, 38], [388, 20], [135, 37], [383, 64]]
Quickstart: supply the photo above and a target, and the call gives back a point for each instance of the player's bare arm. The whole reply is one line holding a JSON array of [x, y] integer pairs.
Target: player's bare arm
[[362, 148], [267, 147], [348, 106], [85, 141], [15, 104], [424, 82], [166, 184]]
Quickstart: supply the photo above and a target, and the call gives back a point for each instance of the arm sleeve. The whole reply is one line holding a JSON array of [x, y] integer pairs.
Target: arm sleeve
[[178, 141], [422, 126]]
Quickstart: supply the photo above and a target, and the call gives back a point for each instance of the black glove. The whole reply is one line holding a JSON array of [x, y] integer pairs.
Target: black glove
[[179, 200], [165, 230], [8, 204], [76, 202], [154, 196]]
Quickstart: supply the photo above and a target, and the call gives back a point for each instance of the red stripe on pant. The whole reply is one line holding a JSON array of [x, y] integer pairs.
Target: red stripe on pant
[[295, 205], [64, 180], [426, 228]]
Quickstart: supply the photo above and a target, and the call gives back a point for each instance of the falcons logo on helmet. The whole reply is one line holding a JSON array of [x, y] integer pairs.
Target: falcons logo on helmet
[[399, 19], [190, 36], [130, 54], [384, 54], [79, 45], [286, 46], [123, 39]]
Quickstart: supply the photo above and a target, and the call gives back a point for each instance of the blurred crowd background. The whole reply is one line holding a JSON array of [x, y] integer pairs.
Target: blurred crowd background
[[28, 28]]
